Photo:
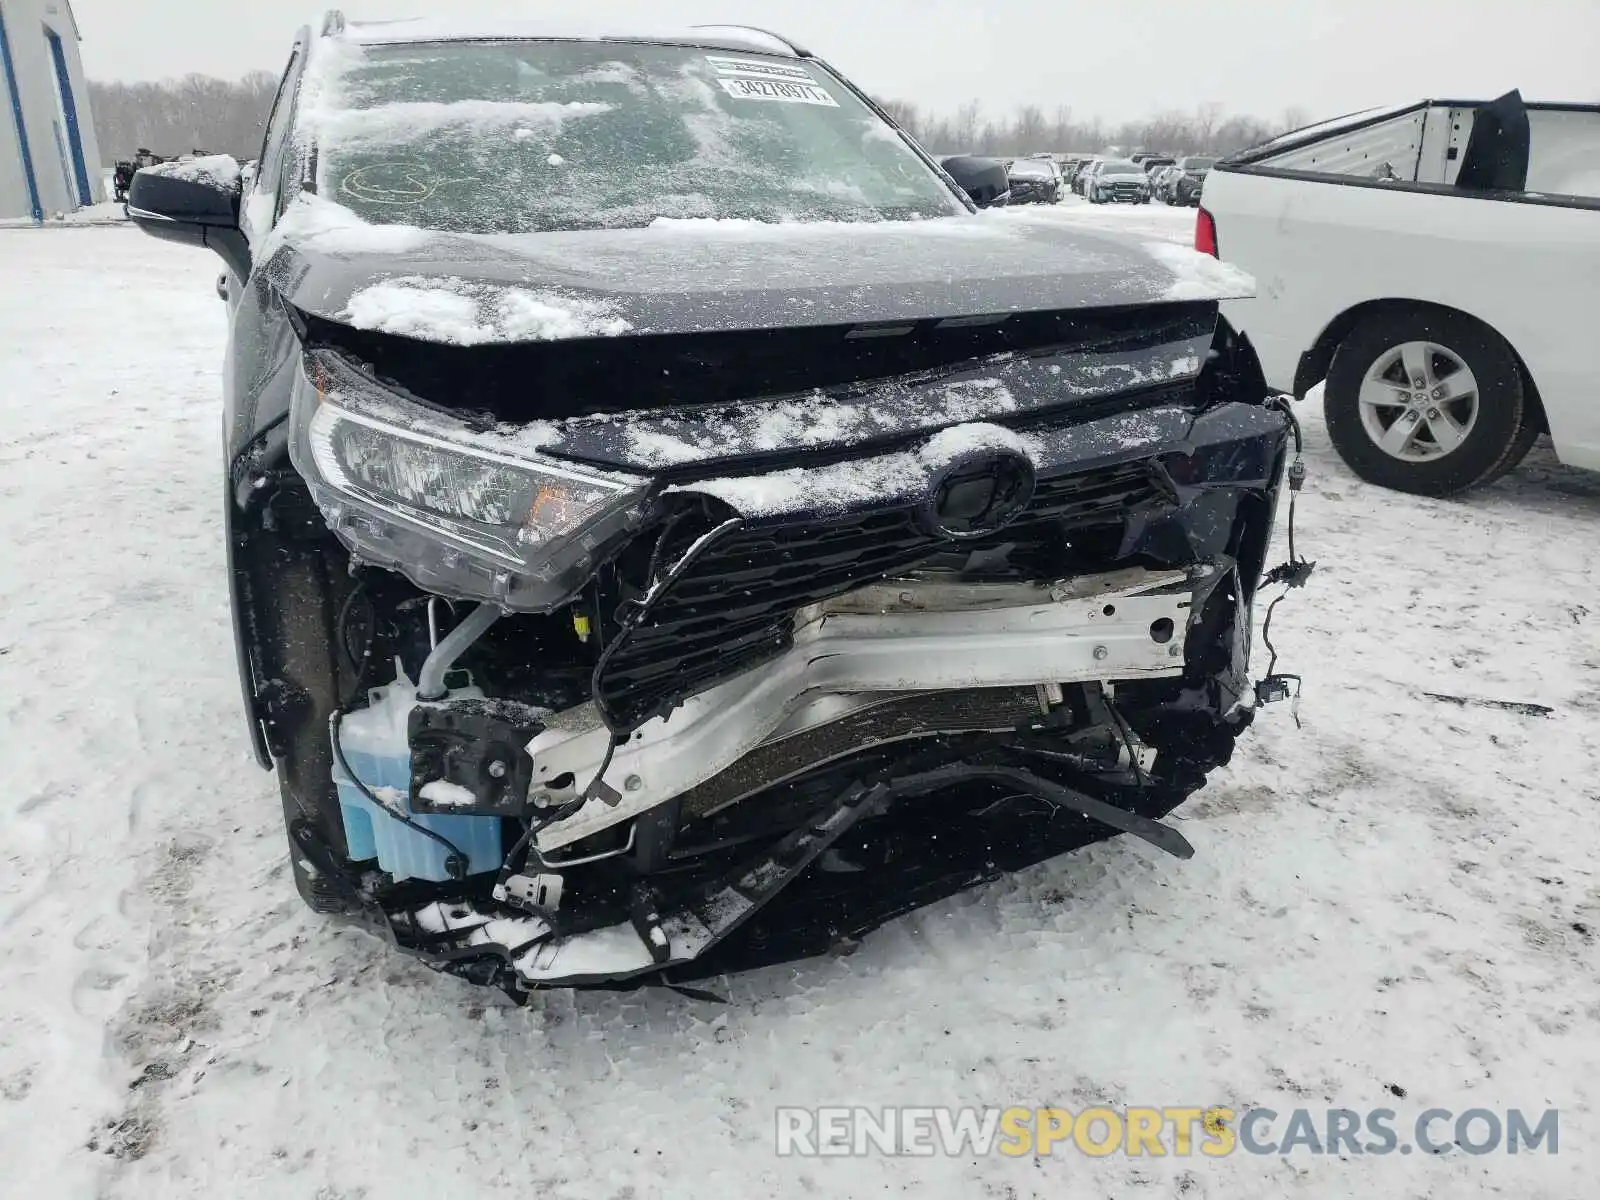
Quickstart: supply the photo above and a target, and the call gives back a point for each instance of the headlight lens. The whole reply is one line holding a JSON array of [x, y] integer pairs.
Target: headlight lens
[[454, 509], [356, 453]]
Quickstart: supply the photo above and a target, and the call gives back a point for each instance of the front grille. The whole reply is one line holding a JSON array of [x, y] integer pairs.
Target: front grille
[[733, 608]]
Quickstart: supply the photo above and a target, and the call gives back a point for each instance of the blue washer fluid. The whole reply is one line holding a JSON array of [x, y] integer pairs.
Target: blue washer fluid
[[376, 746]]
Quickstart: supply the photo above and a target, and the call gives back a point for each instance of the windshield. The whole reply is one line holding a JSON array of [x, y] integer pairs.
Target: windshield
[[1120, 167], [533, 136], [1033, 170]]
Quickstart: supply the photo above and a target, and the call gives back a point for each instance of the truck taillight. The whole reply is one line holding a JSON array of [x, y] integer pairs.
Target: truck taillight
[[1205, 233]]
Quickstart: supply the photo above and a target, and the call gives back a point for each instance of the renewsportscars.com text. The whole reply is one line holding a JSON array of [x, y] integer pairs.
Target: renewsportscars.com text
[[1158, 1132]]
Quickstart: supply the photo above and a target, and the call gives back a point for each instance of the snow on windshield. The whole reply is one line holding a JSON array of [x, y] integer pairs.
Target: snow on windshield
[[536, 136], [385, 125]]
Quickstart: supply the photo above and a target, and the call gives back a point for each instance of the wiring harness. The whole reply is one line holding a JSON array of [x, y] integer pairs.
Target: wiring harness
[[1275, 685], [632, 614]]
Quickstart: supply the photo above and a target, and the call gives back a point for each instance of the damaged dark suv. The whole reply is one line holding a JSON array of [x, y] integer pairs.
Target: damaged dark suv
[[651, 484]]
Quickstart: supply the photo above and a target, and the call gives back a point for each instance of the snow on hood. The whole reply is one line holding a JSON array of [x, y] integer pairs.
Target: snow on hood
[[662, 439], [220, 172], [847, 485], [1000, 385], [690, 276], [314, 223], [1198, 276], [464, 313]]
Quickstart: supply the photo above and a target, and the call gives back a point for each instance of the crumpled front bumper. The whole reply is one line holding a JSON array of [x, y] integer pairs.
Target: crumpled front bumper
[[895, 637], [461, 933], [1146, 626]]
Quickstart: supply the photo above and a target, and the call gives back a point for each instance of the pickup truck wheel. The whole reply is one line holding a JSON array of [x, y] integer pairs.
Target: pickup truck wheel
[[1425, 402]]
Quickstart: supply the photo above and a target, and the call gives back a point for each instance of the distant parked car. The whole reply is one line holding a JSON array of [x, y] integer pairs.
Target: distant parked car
[[1156, 162], [1080, 181], [121, 177], [983, 179], [1117, 180], [122, 174], [1034, 181], [1184, 186]]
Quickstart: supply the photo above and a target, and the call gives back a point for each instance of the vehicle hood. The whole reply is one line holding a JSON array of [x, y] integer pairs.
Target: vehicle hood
[[1107, 176], [694, 276]]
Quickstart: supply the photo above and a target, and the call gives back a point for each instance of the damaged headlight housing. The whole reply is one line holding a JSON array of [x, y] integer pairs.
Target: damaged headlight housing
[[456, 510]]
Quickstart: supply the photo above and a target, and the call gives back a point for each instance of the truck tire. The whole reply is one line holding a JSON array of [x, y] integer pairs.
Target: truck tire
[[1427, 401]]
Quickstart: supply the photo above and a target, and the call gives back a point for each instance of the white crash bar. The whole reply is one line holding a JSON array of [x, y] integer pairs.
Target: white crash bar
[[1110, 628]]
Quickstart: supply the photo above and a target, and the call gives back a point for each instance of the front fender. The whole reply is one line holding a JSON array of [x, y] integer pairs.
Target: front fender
[[244, 656]]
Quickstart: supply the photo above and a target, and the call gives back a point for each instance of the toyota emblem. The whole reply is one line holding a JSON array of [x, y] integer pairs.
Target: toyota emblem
[[979, 493]]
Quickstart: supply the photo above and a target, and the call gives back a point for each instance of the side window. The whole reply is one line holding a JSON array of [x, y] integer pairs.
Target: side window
[[278, 123]]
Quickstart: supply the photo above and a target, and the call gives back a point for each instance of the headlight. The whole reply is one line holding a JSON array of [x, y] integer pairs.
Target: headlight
[[454, 509]]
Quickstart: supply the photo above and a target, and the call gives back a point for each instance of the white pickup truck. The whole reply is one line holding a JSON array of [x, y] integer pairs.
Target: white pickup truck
[[1438, 264]]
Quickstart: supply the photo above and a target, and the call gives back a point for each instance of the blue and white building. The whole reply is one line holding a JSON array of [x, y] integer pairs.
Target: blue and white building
[[49, 161]]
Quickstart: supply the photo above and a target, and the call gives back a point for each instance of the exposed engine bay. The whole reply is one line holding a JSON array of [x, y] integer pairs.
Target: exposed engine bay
[[897, 673]]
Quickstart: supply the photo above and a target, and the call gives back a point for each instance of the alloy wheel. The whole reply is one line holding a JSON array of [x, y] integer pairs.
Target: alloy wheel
[[1418, 401]]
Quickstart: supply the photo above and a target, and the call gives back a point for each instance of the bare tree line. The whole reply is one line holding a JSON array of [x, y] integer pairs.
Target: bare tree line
[[198, 112], [177, 116], [1029, 130]]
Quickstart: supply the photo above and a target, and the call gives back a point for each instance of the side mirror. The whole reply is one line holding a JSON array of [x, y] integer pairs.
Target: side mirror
[[983, 179], [193, 200]]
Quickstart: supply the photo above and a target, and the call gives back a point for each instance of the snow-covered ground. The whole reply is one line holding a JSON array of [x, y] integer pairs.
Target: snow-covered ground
[[1394, 906], [106, 213]]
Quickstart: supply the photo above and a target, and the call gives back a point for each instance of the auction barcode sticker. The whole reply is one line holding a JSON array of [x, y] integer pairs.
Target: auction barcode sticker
[[741, 88]]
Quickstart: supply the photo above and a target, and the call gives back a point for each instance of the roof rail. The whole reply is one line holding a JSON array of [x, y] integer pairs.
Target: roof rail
[[789, 42], [333, 23]]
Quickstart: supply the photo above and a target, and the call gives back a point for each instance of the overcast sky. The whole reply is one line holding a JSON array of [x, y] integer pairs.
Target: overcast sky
[[1119, 59]]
